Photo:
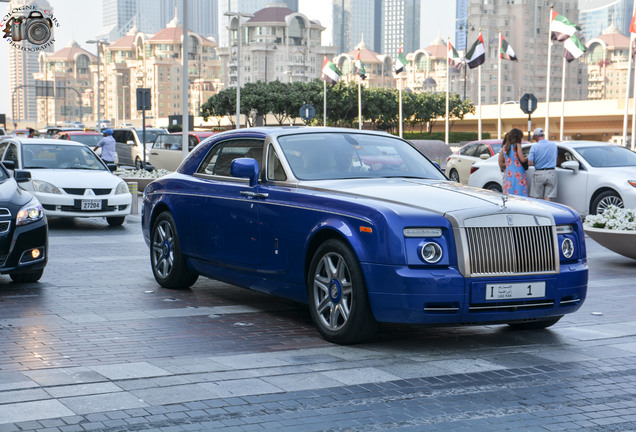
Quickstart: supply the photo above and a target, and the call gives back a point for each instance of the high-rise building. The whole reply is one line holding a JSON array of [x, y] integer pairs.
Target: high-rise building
[[400, 26], [607, 61], [119, 16], [202, 15], [597, 15], [23, 64], [461, 24], [525, 26]]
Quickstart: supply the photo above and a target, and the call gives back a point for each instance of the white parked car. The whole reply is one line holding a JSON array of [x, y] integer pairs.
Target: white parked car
[[591, 175], [68, 178], [459, 163]]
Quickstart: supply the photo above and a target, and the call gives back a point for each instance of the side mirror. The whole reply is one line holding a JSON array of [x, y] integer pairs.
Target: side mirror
[[571, 165], [131, 142], [10, 165], [484, 156], [245, 168], [21, 176]]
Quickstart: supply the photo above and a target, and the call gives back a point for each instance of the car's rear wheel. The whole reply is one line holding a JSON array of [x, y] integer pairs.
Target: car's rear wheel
[[32, 276], [536, 324], [115, 220], [168, 263], [454, 175], [338, 299], [138, 164], [604, 200], [493, 187]]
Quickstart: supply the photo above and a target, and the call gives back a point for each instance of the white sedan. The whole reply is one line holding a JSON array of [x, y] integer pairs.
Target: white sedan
[[68, 179], [591, 175]]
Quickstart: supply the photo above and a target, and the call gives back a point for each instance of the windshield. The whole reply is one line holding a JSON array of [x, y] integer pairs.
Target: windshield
[[607, 156], [151, 134], [88, 140], [51, 156], [325, 156]]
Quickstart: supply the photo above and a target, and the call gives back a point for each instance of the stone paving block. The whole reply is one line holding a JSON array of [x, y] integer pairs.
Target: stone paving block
[[63, 376], [38, 410], [244, 387], [130, 370], [82, 389], [174, 394], [103, 402], [15, 381], [359, 375]]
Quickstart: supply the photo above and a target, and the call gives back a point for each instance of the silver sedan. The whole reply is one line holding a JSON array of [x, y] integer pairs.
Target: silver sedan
[[591, 175]]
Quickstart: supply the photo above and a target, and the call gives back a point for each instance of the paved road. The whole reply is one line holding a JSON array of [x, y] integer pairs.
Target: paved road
[[98, 345]]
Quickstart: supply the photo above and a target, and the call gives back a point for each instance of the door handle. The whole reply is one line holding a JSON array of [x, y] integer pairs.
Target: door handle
[[251, 194]]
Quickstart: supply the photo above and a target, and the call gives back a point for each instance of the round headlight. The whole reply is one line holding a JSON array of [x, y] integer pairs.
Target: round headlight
[[567, 248], [431, 252]]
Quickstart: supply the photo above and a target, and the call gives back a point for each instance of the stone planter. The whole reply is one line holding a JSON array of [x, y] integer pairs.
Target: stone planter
[[141, 182], [621, 242]]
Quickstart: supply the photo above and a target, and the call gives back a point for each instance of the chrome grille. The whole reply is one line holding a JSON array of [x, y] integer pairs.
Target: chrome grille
[[511, 250]]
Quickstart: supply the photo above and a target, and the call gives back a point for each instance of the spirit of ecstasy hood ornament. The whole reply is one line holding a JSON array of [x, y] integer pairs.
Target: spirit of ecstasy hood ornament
[[504, 199]]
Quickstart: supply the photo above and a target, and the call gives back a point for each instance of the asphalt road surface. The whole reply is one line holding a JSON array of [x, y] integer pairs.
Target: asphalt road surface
[[98, 345]]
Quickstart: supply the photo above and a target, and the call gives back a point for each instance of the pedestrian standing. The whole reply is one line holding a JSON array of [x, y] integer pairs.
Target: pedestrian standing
[[543, 156], [511, 160], [108, 146]]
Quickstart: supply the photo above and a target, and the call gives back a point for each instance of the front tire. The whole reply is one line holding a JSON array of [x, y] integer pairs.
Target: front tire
[[337, 294], [604, 200], [168, 263], [493, 187], [33, 276], [138, 164], [539, 324], [115, 220]]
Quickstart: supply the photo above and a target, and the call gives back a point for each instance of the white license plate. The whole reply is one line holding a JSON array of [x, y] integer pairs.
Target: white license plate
[[515, 291], [91, 204]]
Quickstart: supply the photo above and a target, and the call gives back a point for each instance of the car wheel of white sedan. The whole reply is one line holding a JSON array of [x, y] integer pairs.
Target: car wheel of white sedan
[[454, 175], [337, 295], [493, 187], [604, 200], [168, 264], [115, 220]]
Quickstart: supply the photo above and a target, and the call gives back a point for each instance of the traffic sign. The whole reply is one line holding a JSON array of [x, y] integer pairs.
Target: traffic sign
[[307, 112], [143, 99], [528, 103]]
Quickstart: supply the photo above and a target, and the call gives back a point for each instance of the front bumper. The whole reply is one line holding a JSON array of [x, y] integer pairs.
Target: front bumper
[[71, 205], [444, 296], [16, 244]]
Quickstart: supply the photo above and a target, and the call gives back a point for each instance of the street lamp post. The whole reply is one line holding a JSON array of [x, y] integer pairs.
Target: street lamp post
[[465, 50], [98, 42], [238, 16]]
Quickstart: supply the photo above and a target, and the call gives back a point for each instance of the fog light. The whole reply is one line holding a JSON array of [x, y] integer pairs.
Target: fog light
[[32, 255], [35, 253], [567, 247], [431, 252]]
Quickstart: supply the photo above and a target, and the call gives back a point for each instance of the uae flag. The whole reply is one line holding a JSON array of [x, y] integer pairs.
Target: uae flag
[[330, 72], [632, 25], [400, 64], [476, 55], [573, 48], [358, 67], [561, 28], [453, 57], [507, 53]]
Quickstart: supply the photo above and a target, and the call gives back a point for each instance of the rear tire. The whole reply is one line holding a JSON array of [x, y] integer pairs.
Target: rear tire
[[115, 220], [33, 276], [493, 187], [539, 324], [337, 294], [454, 175], [138, 164], [168, 263]]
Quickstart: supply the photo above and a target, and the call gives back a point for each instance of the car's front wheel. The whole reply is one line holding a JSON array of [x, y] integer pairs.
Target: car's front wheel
[[493, 187], [538, 324], [338, 299], [32, 276], [115, 220], [168, 263], [138, 164], [454, 175], [604, 200]]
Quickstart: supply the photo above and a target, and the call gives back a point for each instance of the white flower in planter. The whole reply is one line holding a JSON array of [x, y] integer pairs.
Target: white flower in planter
[[613, 218], [144, 174]]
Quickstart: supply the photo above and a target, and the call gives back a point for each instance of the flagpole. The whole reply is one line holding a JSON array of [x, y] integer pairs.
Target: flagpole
[[324, 108], [499, 88], [562, 100], [446, 136], [400, 85], [360, 102], [547, 86], [634, 109], [629, 70]]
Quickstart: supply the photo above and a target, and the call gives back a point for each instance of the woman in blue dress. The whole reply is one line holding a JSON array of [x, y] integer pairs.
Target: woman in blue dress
[[511, 158]]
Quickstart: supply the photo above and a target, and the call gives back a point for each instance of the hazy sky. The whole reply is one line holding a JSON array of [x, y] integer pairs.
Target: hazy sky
[[82, 19]]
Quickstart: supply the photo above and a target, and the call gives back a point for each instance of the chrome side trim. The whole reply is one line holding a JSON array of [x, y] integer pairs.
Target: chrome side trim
[[511, 305]]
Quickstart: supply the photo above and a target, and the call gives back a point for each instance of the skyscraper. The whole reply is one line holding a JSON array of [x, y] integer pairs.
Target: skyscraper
[[461, 24], [400, 26], [597, 15], [119, 16]]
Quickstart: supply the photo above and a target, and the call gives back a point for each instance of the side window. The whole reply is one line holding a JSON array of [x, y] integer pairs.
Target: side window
[[469, 150], [3, 147], [482, 149], [130, 137], [158, 144], [119, 136], [220, 157], [275, 171], [192, 142], [11, 154]]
